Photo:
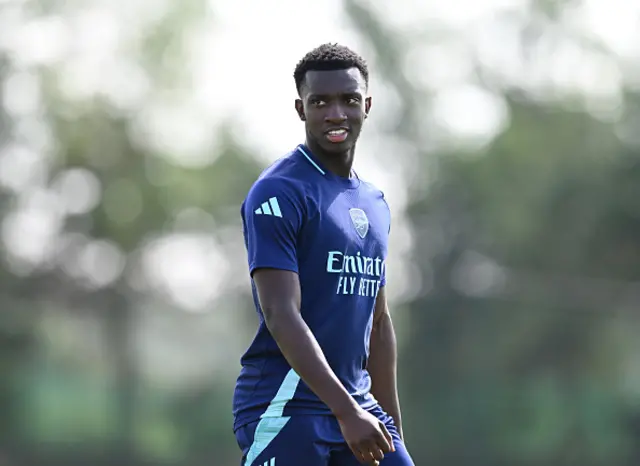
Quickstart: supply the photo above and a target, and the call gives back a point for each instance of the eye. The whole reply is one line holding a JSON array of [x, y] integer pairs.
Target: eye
[[317, 102], [353, 100]]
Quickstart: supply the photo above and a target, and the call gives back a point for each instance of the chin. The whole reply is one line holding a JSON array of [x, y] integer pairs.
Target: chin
[[337, 148]]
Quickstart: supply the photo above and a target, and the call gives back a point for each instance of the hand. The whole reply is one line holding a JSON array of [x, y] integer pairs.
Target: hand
[[366, 436]]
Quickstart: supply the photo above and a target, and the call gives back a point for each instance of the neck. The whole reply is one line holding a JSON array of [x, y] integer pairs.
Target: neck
[[339, 163]]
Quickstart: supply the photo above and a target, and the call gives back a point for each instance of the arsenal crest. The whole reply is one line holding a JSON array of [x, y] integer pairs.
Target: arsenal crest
[[360, 221]]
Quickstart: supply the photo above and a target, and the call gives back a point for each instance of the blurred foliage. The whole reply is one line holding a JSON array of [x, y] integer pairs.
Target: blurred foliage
[[519, 348]]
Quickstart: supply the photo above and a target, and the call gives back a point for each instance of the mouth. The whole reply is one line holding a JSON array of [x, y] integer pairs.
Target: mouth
[[337, 135]]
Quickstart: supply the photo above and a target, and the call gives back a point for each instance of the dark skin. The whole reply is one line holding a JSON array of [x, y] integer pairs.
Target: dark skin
[[382, 364], [330, 99]]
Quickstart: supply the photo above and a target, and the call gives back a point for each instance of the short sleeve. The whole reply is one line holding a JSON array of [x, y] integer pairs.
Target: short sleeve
[[272, 217]]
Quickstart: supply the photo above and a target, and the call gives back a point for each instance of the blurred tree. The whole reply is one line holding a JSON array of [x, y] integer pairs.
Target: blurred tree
[[514, 347], [112, 196]]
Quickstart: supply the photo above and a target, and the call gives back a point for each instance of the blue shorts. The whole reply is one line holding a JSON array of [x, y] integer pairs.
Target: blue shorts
[[308, 440]]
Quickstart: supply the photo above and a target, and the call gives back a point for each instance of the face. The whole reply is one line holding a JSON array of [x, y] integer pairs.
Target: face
[[333, 105]]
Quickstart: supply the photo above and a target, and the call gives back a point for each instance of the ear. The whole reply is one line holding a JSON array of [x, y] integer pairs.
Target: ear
[[367, 106], [300, 109]]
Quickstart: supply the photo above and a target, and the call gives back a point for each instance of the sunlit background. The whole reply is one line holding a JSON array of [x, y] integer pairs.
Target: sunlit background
[[505, 134]]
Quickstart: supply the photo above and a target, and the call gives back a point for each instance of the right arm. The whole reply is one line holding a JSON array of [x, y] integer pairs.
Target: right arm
[[279, 294]]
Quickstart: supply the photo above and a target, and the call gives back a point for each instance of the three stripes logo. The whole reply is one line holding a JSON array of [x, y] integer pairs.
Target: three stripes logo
[[271, 462], [271, 207]]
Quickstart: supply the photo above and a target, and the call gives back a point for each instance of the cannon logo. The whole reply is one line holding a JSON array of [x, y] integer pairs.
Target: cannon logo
[[360, 221]]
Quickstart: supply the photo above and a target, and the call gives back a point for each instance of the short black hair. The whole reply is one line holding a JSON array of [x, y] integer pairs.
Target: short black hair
[[329, 57]]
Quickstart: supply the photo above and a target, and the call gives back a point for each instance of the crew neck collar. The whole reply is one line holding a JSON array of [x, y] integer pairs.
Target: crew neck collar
[[352, 182]]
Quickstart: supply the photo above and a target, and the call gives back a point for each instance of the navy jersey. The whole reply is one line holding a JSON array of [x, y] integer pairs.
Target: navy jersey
[[333, 232]]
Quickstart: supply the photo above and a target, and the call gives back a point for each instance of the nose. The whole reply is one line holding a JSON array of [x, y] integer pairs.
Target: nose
[[335, 114]]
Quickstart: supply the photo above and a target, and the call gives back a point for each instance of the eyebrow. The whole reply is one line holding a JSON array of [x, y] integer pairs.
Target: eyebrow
[[346, 93]]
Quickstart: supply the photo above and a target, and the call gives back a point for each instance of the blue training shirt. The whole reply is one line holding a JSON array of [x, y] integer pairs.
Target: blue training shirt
[[333, 232]]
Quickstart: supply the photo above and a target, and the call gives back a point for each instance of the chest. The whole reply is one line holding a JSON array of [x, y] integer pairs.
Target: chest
[[351, 222]]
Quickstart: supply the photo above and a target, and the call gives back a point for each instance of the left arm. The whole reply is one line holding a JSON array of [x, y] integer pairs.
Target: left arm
[[382, 364]]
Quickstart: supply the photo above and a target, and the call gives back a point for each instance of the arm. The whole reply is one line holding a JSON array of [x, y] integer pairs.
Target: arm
[[279, 295], [382, 364], [273, 216]]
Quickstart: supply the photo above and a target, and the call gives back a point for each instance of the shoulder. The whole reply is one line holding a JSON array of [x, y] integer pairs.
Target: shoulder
[[278, 190], [281, 177], [378, 201], [285, 188], [372, 190]]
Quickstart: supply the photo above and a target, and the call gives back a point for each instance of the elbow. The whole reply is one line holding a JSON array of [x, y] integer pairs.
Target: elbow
[[383, 332], [275, 318], [270, 316], [382, 323]]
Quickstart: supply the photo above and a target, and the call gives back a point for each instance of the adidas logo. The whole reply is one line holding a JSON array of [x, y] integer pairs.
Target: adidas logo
[[271, 207], [271, 462]]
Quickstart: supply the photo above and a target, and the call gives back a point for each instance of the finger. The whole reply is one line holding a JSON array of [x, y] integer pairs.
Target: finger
[[377, 454], [388, 438], [366, 454], [360, 455], [374, 449]]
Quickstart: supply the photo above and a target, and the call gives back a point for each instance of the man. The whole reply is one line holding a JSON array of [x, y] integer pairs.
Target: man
[[318, 383]]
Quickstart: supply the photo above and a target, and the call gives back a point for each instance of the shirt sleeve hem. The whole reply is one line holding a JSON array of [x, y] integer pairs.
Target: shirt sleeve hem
[[267, 265]]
